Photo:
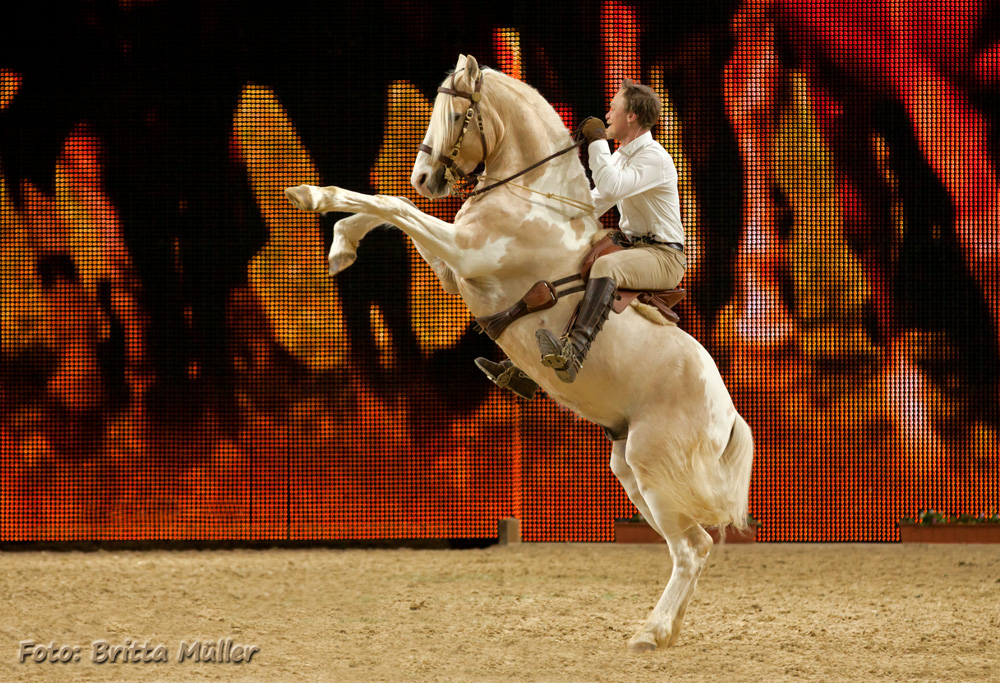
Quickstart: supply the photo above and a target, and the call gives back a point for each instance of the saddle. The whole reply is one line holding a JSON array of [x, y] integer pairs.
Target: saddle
[[662, 300], [544, 294]]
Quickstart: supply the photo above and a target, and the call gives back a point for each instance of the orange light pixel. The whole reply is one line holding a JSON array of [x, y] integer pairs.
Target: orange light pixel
[[507, 43], [10, 83], [619, 44]]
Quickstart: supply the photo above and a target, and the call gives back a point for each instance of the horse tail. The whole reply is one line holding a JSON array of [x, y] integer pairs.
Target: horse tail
[[709, 486], [736, 463]]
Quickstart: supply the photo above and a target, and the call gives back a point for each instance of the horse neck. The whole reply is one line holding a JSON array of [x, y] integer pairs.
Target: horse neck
[[518, 148]]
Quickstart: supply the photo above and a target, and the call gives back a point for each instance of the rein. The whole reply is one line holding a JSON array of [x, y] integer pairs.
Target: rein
[[463, 184], [521, 173]]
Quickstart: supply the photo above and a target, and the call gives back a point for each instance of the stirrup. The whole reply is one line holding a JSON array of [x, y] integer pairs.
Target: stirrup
[[508, 376], [557, 354]]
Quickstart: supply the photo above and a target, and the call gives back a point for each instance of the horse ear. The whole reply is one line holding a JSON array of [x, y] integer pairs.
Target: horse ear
[[460, 64], [471, 68]]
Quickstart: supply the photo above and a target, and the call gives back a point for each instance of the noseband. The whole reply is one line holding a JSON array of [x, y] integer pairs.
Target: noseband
[[456, 178]]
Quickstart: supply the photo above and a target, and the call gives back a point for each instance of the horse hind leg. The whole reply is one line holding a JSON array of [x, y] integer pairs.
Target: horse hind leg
[[693, 549], [689, 547], [626, 477]]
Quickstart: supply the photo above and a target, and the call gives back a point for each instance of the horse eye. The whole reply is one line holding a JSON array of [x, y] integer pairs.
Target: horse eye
[[455, 117]]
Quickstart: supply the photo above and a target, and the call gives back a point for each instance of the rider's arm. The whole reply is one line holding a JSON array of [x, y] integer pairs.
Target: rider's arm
[[643, 172], [601, 205]]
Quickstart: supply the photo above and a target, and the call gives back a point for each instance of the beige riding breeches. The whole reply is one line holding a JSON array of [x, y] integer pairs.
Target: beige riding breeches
[[648, 267]]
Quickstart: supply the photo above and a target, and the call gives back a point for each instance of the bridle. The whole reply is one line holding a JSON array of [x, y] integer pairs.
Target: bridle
[[463, 184], [460, 182]]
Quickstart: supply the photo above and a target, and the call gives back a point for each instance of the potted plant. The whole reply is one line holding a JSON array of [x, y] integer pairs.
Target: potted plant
[[635, 529], [930, 526]]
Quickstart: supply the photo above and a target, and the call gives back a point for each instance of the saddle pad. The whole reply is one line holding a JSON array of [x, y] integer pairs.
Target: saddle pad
[[663, 301]]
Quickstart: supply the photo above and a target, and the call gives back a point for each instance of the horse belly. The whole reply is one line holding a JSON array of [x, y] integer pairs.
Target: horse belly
[[634, 370], [597, 395]]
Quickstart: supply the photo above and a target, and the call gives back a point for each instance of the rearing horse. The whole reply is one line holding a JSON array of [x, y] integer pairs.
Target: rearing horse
[[681, 451]]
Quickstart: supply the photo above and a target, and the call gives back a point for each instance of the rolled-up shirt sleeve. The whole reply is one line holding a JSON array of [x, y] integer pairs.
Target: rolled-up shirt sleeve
[[601, 205], [612, 184]]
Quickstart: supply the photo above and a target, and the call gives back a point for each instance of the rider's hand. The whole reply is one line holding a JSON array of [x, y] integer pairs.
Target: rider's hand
[[591, 129]]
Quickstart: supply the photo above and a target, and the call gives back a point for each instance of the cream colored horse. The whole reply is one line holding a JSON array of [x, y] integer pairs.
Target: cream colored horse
[[686, 454]]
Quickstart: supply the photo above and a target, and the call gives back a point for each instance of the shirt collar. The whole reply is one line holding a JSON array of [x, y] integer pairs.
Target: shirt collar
[[639, 142]]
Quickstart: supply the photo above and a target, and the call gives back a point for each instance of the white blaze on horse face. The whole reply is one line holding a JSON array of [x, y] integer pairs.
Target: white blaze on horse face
[[444, 129], [424, 168], [427, 165], [427, 176]]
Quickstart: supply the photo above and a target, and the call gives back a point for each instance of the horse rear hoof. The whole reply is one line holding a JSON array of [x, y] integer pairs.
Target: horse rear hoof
[[643, 643]]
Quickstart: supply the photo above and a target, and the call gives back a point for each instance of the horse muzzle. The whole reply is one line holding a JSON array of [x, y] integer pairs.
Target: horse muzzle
[[430, 183]]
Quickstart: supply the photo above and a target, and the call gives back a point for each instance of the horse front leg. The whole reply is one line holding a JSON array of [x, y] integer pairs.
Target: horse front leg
[[435, 239], [347, 234]]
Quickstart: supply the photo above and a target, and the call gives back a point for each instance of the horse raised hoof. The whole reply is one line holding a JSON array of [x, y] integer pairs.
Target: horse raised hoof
[[339, 262], [557, 355], [303, 197]]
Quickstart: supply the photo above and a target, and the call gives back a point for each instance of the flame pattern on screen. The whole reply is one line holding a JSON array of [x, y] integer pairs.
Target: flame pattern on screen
[[839, 193]]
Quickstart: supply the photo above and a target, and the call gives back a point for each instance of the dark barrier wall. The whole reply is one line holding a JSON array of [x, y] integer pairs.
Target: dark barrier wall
[[177, 365]]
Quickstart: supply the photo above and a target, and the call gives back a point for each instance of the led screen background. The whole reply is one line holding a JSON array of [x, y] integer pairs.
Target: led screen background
[[177, 365]]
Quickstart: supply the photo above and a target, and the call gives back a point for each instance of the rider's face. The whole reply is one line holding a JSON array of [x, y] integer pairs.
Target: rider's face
[[619, 121]]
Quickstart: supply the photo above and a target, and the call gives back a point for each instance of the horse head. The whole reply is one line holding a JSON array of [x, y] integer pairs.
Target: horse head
[[455, 141]]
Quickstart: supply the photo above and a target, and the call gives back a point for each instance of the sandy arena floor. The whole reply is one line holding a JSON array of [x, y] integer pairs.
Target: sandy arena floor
[[535, 612]]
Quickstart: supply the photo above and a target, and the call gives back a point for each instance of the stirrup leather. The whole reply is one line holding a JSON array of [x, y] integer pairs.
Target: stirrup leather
[[566, 355], [508, 376]]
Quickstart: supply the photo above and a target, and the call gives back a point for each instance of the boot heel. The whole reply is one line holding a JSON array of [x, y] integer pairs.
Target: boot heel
[[552, 350]]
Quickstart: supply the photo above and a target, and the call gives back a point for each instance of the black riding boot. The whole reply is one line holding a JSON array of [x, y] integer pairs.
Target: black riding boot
[[565, 355], [506, 375]]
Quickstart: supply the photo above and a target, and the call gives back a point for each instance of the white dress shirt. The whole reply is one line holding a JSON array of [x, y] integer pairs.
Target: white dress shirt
[[642, 180]]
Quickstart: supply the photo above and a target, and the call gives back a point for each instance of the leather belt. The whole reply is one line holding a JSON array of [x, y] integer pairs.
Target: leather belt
[[650, 239]]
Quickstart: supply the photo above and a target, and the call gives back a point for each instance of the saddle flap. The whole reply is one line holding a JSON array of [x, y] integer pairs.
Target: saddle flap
[[667, 297], [623, 298], [604, 247], [663, 301]]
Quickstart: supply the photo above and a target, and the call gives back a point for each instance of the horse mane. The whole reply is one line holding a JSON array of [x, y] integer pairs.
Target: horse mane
[[506, 107], [503, 103], [518, 121]]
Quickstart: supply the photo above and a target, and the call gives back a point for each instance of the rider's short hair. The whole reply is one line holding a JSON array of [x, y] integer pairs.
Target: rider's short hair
[[642, 101]]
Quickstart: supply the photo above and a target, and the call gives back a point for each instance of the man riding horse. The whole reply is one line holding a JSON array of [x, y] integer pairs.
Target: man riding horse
[[679, 447], [641, 179]]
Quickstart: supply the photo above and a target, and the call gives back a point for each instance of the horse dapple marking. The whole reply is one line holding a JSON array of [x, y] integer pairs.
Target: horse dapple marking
[[686, 458]]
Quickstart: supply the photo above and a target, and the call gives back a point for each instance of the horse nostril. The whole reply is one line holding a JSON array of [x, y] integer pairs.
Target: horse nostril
[[422, 179]]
